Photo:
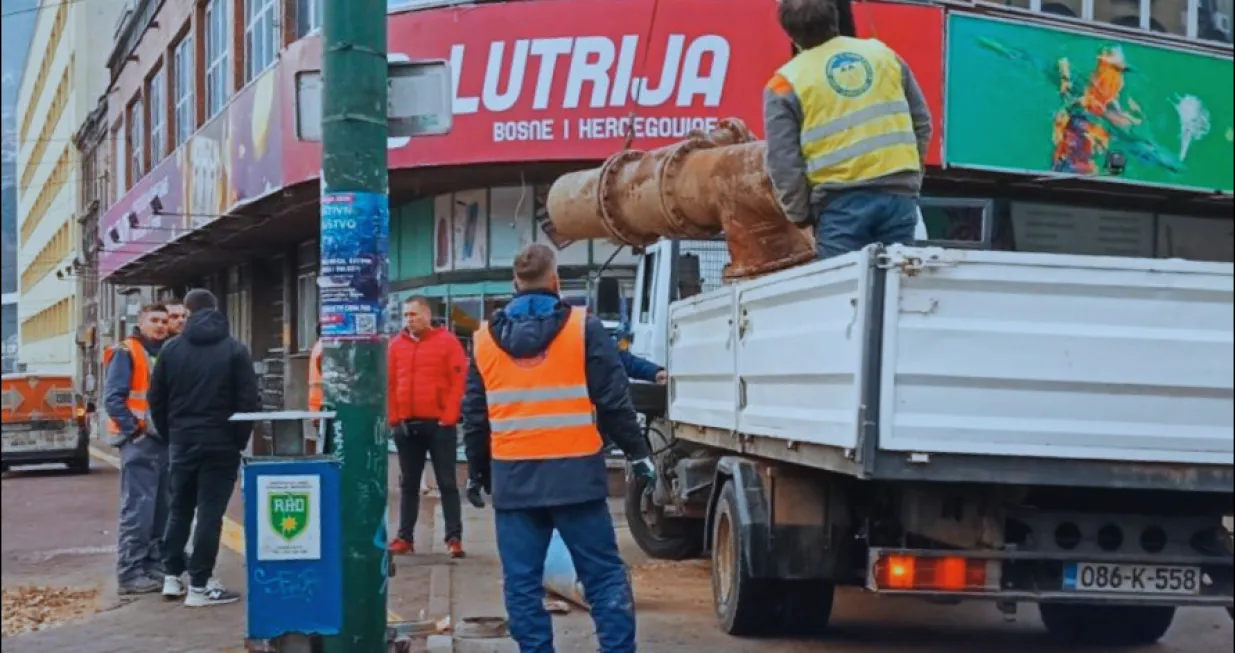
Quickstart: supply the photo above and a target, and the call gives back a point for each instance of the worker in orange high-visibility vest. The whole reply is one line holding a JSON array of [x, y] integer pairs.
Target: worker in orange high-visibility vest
[[143, 453], [545, 383], [317, 396]]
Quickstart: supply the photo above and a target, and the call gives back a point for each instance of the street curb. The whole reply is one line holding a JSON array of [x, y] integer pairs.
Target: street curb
[[233, 533]]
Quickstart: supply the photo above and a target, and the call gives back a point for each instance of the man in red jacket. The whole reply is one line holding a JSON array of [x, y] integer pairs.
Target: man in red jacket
[[426, 372]]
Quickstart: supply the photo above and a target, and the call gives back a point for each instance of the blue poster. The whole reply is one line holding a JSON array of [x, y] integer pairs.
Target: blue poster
[[353, 278], [293, 550]]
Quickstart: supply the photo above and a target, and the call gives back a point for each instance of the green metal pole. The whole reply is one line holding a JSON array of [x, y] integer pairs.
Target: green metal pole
[[354, 368]]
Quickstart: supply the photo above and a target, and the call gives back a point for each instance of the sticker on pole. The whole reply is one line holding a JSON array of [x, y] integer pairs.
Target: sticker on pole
[[289, 517], [353, 277]]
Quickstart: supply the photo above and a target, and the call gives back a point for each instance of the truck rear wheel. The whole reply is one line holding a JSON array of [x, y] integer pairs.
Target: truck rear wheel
[[1106, 625], [740, 601], [657, 536]]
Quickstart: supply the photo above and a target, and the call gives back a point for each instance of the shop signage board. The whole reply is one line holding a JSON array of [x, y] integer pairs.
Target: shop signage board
[[1036, 100], [545, 80]]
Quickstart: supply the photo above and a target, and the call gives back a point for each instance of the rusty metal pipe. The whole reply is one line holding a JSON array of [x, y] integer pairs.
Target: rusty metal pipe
[[697, 188]]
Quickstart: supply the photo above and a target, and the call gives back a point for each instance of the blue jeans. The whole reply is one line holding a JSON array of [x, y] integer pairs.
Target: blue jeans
[[851, 220], [587, 529]]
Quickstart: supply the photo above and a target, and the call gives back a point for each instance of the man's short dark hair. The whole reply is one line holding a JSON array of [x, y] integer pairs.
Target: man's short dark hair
[[809, 23], [174, 301], [418, 299], [200, 299], [534, 266], [153, 308]]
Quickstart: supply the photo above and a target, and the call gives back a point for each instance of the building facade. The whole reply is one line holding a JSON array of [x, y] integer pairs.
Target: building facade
[[214, 119], [62, 81]]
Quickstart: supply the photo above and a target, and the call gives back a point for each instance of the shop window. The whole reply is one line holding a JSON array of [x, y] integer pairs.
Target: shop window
[[957, 222], [510, 223], [1209, 20], [306, 311], [218, 49]]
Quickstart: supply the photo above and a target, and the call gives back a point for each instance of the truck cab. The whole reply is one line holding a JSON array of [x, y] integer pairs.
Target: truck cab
[[44, 421]]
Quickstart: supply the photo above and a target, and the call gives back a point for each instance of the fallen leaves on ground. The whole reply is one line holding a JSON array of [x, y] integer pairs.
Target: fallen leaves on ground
[[31, 608]]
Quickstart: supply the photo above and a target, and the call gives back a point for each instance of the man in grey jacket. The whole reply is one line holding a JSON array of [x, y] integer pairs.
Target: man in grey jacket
[[143, 453], [847, 133]]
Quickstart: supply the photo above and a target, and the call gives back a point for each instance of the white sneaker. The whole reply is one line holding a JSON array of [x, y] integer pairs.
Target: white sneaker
[[212, 594], [173, 587]]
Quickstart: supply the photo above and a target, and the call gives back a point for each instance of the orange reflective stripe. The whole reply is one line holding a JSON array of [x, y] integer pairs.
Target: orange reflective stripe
[[139, 385], [539, 408]]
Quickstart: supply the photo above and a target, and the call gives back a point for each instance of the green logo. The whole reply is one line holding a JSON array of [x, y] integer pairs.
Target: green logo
[[849, 74], [289, 514]]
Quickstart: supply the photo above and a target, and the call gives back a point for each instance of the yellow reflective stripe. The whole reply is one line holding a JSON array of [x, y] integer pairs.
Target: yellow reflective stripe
[[865, 146], [847, 122], [549, 422], [499, 397]]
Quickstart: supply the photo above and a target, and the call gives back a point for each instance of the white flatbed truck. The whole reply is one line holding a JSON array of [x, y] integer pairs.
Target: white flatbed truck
[[943, 423]]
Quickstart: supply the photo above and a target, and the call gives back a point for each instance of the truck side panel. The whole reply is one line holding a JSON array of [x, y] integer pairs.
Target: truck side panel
[[701, 355], [1047, 356], [800, 352]]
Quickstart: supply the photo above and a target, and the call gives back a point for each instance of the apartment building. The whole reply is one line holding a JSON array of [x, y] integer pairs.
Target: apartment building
[[61, 83]]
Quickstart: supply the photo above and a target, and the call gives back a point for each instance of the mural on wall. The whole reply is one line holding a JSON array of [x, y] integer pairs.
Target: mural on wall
[[471, 229], [234, 159], [510, 223], [443, 253], [1033, 99]]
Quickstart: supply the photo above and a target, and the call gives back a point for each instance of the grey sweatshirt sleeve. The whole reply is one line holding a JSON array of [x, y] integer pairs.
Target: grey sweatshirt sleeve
[[919, 111], [782, 126]]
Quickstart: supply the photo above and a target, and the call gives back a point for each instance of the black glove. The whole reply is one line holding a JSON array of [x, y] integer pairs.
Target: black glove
[[473, 493]]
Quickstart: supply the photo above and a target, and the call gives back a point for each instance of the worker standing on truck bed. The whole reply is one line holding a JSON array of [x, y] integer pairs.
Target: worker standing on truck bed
[[544, 382], [847, 132], [127, 369]]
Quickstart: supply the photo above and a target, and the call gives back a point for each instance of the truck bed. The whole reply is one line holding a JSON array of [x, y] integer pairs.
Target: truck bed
[[927, 355]]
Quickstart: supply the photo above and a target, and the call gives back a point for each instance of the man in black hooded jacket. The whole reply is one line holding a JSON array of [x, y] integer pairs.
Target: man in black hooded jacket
[[203, 377]]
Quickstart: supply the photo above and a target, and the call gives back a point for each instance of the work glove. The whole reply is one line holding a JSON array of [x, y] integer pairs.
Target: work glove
[[474, 496], [644, 468]]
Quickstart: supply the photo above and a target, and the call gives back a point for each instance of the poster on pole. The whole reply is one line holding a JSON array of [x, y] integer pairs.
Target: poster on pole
[[353, 277]]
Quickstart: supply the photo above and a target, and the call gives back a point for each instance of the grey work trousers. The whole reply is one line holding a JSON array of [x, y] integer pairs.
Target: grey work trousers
[[143, 509]]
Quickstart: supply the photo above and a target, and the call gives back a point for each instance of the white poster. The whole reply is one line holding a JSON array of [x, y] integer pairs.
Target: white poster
[[443, 227], [471, 229], [574, 253], [1054, 228], [510, 223], [289, 517], [1196, 239]]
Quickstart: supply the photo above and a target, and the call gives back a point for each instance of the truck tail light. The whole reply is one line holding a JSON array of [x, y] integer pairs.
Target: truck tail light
[[937, 574]]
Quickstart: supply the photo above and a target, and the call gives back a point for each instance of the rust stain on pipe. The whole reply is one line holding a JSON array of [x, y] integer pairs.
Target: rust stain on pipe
[[710, 183]]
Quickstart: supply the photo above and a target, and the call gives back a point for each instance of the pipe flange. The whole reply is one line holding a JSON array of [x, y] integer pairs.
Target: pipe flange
[[736, 128], [610, 215], [749, 272], [666, 176]]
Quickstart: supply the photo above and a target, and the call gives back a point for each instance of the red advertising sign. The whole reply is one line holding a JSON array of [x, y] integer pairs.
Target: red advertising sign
[[569, 80]]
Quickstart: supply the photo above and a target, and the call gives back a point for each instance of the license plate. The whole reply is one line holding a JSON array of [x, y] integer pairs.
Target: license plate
[[36, 441], [1132, 579], [9, 427]]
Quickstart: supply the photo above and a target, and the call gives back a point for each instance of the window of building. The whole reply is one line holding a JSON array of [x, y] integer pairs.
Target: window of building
[[1209, 20], [308, 16], [182, 92], [136, 141], [306, 310], [156, 92], [261, 32], [218, 77]]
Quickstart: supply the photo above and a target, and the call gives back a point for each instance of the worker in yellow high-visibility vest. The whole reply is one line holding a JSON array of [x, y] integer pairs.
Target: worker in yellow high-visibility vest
[[847, 131]]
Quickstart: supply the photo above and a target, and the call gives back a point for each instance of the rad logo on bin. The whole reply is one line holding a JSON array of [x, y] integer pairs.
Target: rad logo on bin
[[289, 514]]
